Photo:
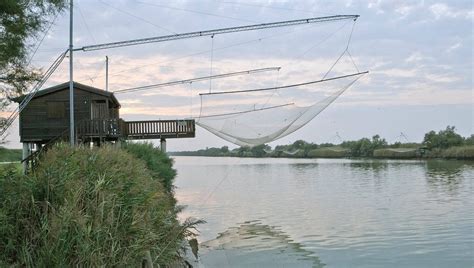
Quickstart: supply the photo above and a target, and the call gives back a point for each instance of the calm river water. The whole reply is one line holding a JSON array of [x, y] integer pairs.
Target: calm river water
[[329, 212]]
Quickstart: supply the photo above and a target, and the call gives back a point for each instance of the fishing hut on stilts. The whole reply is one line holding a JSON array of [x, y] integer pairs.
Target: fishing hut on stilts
[[45, 120]]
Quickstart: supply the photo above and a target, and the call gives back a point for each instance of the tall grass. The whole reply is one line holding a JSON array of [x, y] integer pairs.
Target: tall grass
[[87, 208], [458, 152], [157, 162]]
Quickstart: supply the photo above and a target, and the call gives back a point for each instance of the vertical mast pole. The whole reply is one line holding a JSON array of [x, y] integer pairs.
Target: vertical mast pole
[[71, 78], [106, 73]]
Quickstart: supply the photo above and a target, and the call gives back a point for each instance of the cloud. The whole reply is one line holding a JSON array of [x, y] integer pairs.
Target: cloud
[[442, 10], [454, 47], [131, 101], [415, 57], [410, 63]]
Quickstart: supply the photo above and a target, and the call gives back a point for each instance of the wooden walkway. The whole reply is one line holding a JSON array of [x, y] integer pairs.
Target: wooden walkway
[[135, 130]]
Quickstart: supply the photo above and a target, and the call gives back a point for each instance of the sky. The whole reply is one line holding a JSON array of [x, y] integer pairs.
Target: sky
[[419, 55]]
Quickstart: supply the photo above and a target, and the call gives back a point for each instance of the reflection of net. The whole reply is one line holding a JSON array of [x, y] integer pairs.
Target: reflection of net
[[254, 117]]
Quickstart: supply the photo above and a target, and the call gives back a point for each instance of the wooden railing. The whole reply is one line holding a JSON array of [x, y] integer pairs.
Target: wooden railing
[[117, 128], [101, 128], [113, 129], [159, 129]]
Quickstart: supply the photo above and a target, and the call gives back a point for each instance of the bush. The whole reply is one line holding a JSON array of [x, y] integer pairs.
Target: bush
[[364, 147], [87, 208], [160, 165]]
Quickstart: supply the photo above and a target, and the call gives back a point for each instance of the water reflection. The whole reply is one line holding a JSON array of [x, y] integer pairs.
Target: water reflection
[[372, 166], [253, 244], [349, 213], [446, 175]]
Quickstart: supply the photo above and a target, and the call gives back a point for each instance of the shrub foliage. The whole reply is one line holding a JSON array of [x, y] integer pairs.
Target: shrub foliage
[[83, 207]]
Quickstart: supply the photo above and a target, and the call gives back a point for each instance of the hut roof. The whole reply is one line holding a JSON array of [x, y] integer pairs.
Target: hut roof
[[65, 86]]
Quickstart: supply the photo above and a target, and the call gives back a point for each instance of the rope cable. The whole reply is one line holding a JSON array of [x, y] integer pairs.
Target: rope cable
[[212, 60], [85, 23], [42, 39], [137, 17], [274, 92], [352, 60], [346, 50], [9, 121], [216, 49], [277, 8], [197, 12]]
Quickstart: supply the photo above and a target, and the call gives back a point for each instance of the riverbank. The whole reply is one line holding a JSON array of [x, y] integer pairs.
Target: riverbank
[[444, 144], [83, 207], [453, 153]]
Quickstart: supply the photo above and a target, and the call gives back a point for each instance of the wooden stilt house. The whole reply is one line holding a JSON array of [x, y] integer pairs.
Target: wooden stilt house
[[45, 119]]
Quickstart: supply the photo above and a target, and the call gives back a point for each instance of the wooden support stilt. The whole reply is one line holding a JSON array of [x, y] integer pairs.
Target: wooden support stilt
[[163, 145], [25, 154]]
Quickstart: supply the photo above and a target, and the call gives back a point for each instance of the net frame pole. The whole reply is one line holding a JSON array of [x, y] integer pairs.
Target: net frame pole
[[188, 35], [287, 86], [197, 79]]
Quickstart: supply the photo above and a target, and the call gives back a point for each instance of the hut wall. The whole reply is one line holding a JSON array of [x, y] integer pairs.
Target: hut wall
[[47, 117]]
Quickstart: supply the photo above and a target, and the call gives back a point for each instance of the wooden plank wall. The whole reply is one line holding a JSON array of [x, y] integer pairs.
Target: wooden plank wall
[[37, 126]]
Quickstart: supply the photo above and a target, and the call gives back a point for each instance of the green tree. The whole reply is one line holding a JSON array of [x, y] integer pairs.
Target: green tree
[[443, 139], [225, 150], [469, 140], [365, 147], [21, 21], [259, 150], [378, 142]]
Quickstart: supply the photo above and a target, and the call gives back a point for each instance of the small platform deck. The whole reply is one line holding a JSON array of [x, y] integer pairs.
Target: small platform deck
[[159, 129], [113, 129], [99, 130]]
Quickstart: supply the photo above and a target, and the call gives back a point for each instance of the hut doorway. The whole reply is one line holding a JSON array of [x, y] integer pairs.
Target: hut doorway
[[99, 109]]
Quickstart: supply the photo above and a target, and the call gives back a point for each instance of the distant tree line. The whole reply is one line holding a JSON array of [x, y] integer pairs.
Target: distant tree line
[[433, 145]]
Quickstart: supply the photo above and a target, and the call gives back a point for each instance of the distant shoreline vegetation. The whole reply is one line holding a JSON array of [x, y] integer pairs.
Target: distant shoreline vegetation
[[445, 144]]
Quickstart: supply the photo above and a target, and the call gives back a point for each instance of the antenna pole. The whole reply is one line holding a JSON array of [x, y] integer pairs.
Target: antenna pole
[[106, 73], [71, 78]]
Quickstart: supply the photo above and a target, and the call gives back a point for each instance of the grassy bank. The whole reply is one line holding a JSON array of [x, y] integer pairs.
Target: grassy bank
[[82, 207], [329, 152], [10, 155], [397, 153], [456, 152], [445, 144]]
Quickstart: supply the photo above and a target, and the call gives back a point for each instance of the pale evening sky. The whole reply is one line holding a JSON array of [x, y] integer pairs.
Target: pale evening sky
[[419, 54]]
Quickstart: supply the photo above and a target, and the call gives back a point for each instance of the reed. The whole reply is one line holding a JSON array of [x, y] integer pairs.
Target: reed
[[88, 208], [459, 152], [157, 162]]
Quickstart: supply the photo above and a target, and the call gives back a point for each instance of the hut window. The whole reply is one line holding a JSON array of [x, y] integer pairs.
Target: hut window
[[56, 109]]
